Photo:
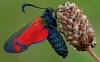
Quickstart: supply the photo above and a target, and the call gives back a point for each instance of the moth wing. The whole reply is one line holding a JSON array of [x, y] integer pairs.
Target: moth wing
[[33, 32]]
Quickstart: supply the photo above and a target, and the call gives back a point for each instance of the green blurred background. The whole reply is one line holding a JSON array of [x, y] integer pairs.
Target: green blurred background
[[12, 19]]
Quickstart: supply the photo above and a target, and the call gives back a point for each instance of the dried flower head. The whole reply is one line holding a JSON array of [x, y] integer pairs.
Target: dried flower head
[[75, 26]]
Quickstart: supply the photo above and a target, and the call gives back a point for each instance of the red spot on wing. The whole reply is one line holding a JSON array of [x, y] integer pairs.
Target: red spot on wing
[[37, 20], [36, 32], [17, 47]]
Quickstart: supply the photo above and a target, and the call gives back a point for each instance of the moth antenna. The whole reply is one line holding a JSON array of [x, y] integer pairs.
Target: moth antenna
[[26, 4]]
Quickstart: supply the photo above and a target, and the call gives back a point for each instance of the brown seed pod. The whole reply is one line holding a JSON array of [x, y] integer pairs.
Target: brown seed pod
[[77, 28], [77, 24]]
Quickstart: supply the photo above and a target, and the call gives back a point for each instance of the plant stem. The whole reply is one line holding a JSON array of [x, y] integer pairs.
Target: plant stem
[[89, 49]]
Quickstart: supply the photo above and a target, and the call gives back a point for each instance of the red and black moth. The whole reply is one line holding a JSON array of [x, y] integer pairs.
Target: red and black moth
[[43, 27]]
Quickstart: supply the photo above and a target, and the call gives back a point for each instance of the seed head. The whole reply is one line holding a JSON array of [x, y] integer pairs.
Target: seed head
[[75, 26]]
